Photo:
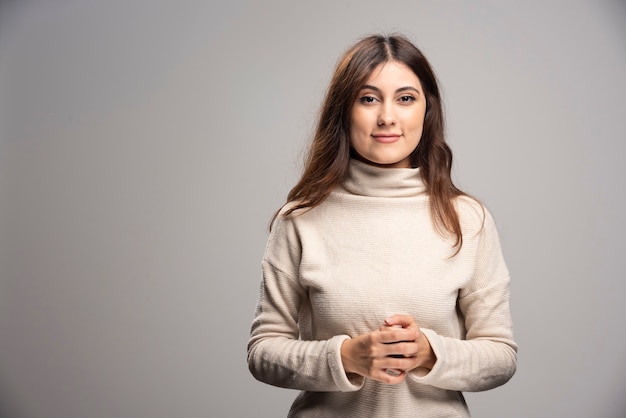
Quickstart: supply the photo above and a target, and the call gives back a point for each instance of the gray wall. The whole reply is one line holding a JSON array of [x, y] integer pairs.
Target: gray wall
[[144, 146]]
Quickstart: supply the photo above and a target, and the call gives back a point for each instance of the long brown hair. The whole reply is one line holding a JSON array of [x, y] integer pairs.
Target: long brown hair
[[328, 158]]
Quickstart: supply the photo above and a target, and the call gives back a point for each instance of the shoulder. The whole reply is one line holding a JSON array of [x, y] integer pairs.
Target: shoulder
[[296, 213], [290, 218], [283, 245], [473, 214], [291, 208], [470, 210]]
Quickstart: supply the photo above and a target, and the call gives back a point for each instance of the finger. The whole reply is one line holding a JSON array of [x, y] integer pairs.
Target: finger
[[403, 364], [393, 335], [394, 369], [405, 321], [393, 372], [390, 376], [402, 350], [385, 327]]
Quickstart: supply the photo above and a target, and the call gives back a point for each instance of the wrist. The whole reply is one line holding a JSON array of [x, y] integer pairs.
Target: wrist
[[345, 357], [430, 359]]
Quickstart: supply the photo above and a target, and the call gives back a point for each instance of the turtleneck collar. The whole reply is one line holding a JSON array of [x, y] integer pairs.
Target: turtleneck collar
[[368, 180]]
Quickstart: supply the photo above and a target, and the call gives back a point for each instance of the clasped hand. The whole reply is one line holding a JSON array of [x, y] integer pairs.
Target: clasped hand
[[390, 352]]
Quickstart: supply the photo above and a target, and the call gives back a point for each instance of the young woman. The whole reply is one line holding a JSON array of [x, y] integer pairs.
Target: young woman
[[384, 291]]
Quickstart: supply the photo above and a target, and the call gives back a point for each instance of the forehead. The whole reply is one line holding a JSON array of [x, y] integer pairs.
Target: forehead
[[393, 73]]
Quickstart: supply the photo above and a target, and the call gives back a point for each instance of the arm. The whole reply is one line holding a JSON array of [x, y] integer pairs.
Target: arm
[[277, 354], [487, 357]]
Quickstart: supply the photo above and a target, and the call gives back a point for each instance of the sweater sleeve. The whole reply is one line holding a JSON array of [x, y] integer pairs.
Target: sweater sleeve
[[277, 353], [487, 357]]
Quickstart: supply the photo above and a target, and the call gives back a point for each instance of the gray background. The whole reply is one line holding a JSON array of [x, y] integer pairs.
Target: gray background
[[144, 146]]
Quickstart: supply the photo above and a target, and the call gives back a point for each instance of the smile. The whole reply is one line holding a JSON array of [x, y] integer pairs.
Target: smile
[[386, 139]]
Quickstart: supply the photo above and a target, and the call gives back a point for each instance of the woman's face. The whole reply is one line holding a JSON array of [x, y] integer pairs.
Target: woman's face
[[388, 116]]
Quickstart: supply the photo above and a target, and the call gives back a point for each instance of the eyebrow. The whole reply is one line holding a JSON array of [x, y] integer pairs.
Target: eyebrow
[[401, 89]]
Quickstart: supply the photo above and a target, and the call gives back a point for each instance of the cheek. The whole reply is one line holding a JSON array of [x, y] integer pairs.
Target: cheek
[[356, 121], [418, 121], [358, 129], [363, 118]]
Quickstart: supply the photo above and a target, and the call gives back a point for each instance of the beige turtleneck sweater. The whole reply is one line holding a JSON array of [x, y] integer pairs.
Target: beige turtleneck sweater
[[367, 252]]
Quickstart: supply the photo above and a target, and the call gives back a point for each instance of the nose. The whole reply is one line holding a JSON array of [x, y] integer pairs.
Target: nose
[[386, 116]]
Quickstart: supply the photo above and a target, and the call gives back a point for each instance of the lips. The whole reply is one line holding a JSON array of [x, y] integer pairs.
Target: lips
[[386, 138]]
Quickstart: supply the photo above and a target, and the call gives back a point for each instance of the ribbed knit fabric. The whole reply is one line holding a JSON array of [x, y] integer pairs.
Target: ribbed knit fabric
[[367, 252]]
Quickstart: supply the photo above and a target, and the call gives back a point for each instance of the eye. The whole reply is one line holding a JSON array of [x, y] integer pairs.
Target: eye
[[407, 99], [367, 99]]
